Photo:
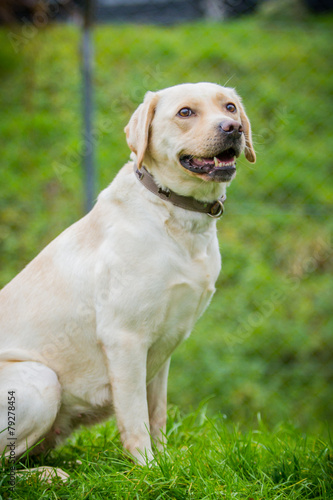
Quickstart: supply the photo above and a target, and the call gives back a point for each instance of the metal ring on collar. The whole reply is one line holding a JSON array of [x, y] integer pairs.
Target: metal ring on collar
[[216, 210]]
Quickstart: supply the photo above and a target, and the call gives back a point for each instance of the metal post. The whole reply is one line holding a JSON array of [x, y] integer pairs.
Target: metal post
[[88, 140]]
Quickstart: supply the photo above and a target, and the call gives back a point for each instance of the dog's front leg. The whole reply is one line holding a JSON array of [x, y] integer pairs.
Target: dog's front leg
[[157, 405], [127, 361]]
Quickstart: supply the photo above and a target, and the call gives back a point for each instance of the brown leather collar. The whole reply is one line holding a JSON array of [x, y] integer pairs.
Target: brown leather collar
[[213, 209]]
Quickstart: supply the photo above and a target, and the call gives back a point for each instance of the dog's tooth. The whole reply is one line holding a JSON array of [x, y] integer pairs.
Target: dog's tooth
[[216, 161]]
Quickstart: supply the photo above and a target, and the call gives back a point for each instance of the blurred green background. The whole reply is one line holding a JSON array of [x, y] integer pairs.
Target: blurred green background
[[265, 343]]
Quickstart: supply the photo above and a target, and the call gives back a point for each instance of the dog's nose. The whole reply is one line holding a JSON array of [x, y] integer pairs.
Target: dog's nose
[[231, 127]]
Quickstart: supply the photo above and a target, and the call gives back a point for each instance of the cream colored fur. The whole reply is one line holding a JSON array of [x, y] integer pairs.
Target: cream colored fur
[[88, 327]]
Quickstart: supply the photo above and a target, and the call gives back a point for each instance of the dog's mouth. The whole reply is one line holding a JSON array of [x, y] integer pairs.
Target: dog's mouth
[[220, 168]]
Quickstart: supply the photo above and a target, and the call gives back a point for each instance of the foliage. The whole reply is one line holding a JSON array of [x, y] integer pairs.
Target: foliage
[[265, 344]]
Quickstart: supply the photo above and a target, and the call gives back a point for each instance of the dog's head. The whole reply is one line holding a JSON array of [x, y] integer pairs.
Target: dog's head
[[191, 133]]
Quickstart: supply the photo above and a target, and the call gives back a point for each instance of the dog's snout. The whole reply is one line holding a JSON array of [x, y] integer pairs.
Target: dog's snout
[[231, 127]]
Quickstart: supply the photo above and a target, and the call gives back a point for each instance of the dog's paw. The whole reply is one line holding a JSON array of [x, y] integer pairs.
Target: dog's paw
[[48, 474]]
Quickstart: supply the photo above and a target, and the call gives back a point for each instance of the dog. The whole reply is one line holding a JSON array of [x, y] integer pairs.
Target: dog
[[87, 328]]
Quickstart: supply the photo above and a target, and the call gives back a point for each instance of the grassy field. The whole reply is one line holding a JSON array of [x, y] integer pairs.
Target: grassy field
[[265, 344], [205, 459]]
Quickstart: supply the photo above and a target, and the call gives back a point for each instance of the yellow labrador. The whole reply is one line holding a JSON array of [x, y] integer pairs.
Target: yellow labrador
[[88, 327]]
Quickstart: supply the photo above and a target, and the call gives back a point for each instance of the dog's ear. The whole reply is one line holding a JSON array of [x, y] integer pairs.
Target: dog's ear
[[137, 129], [250, 154], [249, 149]]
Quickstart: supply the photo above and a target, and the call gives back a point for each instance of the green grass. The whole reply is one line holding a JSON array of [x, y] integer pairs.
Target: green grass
[[265, 344], [205, 459]]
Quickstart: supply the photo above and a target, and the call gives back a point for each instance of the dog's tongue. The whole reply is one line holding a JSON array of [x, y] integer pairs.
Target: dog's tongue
[[224, 159], [202, 162]]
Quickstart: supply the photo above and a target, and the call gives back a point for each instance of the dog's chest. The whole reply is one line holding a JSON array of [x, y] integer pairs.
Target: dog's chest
[[156, 283], [192, 283], [174, 279], [185, 275], [188, 292]]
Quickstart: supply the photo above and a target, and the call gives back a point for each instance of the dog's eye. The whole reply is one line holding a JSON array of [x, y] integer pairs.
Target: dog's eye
[[231, 108], [185, 112]]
